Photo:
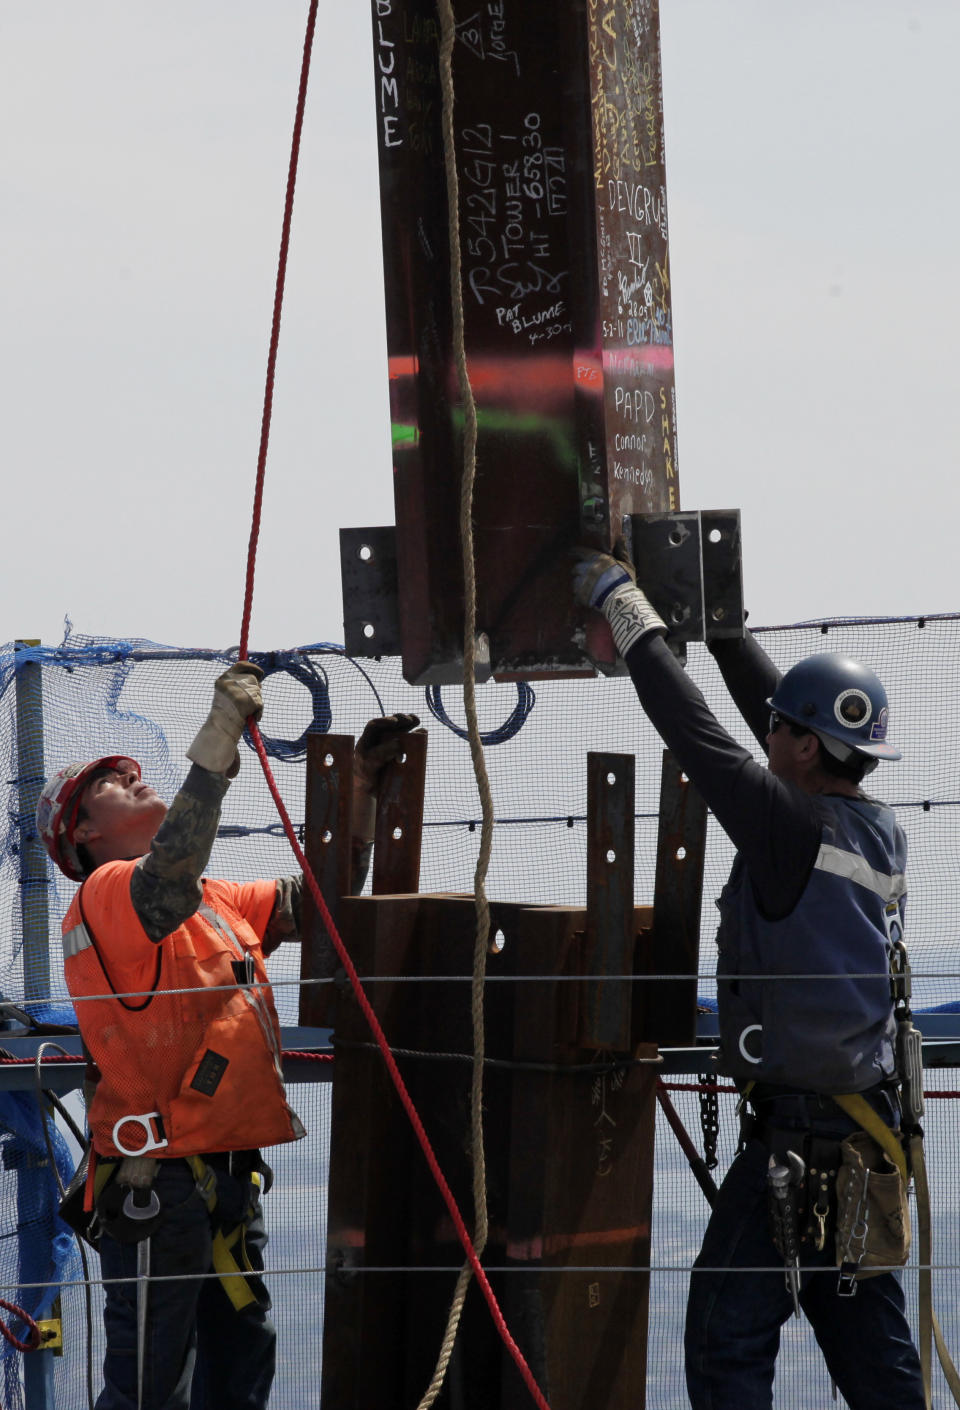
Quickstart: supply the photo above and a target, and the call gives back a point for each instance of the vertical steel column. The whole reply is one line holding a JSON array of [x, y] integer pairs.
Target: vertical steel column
[[28, 686], [567, 310], [34, 919], [327, 847], [671, 1009], [396, 846], [610, 923]]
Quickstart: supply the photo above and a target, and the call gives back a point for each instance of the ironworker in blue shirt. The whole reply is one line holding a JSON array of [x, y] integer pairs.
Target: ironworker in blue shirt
[[817, 889]]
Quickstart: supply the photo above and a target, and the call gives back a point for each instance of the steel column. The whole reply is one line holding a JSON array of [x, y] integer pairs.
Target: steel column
[[610, 922], [327, 847], [396, 848]]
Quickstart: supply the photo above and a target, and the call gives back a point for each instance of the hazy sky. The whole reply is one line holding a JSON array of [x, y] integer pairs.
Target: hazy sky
[[814, 208]]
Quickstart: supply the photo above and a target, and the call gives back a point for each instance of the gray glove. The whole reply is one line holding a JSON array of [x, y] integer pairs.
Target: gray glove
[[631, 617], [607, 582], [236, 699], [382, 741]]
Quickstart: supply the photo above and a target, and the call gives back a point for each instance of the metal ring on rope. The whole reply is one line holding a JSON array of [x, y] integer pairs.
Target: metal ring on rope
[[512, 725], [314, 677]]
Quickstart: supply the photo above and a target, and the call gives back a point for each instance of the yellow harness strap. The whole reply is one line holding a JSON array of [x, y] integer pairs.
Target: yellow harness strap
[[864, 1115], [232, 1276], [102, 1172]]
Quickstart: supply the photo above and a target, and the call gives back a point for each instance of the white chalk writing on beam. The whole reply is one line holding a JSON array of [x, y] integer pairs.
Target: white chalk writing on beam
[[389, 92], [634, 403], [644, 206]]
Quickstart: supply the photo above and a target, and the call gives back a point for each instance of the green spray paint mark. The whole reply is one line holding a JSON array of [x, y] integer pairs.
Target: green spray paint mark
[[403, 435], [512, 423]]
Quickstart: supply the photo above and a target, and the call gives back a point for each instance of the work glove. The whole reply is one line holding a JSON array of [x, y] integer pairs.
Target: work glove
[[608, 583], [236, 700], [380, 744]]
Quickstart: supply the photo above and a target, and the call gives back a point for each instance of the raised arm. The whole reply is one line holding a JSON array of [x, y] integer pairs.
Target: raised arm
[[774, 825], [166, 886]]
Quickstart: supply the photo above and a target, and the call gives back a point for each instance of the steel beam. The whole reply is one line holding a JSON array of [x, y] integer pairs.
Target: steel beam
[[610, 920], [567, 308], [396, 849], [327, 847], [569, 1153], [669, 1006]]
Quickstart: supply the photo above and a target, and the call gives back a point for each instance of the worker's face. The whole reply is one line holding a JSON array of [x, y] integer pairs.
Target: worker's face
[[789, 754], [121, 811]]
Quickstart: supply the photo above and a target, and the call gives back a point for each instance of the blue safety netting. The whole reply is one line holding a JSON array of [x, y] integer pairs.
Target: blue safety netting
[[91, 696], [36, 1248]]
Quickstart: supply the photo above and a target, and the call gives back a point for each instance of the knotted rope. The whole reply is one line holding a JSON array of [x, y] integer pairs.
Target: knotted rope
[[481, 905], [472, 1256]]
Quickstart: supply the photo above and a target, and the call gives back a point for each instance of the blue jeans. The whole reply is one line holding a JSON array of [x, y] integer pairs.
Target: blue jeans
[[734, 1318], [200, 1353]]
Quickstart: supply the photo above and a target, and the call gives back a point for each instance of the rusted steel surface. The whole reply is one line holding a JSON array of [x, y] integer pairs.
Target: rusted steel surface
[[327, 849], [396, 851], [568, 323], [569, 1172], [610, 922], [669, 1015], [364, 1327], [581, 1182]]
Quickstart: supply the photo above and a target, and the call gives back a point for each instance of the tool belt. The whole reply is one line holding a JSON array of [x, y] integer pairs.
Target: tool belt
[[846, 1191], [96, 1203]]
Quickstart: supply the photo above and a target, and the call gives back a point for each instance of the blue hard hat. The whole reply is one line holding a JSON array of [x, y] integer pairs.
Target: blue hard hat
[[840, 700]]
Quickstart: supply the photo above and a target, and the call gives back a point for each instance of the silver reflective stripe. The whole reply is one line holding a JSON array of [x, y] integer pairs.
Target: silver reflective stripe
[[76, 940], [851, 865], [256, 1000], [218, 923]]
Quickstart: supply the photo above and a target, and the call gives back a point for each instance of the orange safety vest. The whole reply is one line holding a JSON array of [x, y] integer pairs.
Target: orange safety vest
[[181, 1073]]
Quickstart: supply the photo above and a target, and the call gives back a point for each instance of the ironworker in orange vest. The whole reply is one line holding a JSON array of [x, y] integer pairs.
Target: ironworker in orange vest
[[176, 1013]]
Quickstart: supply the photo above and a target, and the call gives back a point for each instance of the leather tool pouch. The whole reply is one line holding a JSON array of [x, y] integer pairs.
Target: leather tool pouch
[[873, 1220]]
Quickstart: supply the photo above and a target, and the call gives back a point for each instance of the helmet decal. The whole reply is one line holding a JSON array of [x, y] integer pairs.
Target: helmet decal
[[852, 708], [878, 730]]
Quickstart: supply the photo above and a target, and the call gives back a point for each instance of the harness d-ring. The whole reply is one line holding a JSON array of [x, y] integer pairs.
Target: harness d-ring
[[753, 1028], [150, 1144]]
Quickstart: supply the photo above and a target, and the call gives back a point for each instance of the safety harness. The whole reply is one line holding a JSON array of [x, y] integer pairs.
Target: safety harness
[[235, 1280], [905, 1150], [240, 1280]]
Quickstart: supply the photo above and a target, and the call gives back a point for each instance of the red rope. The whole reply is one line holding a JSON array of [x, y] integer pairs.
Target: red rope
[[275, 329], [310, 879], [399, 1084], [33, 1340]]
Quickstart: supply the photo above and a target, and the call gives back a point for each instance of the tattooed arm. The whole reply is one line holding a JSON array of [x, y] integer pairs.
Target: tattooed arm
[[166, 886]]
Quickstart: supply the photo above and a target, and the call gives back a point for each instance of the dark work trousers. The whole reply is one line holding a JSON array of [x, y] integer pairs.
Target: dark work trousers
[[734, 1317], [201, 1354]]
